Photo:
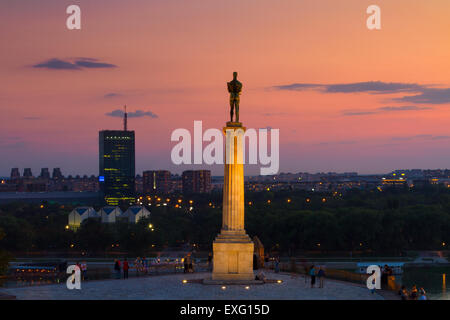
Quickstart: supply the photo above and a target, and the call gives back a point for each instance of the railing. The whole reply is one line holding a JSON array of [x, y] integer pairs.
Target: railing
[[336, 274]]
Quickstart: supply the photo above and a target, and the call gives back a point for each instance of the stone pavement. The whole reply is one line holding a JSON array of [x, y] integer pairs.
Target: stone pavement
[[171, 287]]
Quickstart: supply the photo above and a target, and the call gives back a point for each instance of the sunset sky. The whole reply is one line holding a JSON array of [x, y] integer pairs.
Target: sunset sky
[[345, 98]]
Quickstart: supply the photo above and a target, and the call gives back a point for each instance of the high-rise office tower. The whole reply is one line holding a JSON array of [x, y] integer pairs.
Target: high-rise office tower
[[45, 173], [117, 165], [156, 182], [57, 173], [196, 181], [15, 173], [27, 173]]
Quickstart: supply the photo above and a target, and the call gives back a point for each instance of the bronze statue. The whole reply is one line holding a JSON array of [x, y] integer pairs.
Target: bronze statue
[[234, 88]]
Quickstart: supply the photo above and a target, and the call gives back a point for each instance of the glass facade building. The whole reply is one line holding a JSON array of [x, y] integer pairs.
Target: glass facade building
[[117, 166]]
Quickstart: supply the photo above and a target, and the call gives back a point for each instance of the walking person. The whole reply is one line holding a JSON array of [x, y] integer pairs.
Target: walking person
[[117, 268], [186, 261], [321, 276], [422, 294], [404, 293], [312, 273], [137, 265], [210, 261], [384, 277], [414, 293], [191, 265], [277, 265], [125, 269], [83, 267], [145, 265]]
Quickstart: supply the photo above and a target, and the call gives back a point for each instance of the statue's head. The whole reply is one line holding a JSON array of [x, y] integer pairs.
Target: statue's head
[[234, 75]]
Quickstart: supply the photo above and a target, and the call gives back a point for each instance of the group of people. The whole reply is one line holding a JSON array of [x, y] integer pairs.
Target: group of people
[[118, 266], [141, 265], [414, 294], [317, 272]]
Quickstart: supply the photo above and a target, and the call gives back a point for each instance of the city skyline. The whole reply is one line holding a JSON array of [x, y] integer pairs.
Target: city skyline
[[344, 98]]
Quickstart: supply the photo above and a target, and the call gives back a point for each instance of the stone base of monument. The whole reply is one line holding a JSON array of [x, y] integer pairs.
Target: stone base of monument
[[233, 257]]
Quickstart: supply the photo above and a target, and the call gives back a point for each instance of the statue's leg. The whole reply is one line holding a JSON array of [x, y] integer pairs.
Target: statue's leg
[[231, 110], [237, 111]]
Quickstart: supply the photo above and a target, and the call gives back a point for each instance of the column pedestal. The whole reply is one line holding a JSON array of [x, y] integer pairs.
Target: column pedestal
[[233, 248], [233, 258]]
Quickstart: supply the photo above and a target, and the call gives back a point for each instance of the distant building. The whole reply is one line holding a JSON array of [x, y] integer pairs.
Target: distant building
[[196, 181], [7, 187], [138, 184], [84, 184], [135, 213], [79, 214], [32, 185], [109, 214], [57, 174], [27, 173], [117, 166], [45, 174], [15, 173], [394, 182], [157, 182]]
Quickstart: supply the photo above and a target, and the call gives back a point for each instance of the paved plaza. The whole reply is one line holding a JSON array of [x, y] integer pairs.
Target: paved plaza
[[171, 287]]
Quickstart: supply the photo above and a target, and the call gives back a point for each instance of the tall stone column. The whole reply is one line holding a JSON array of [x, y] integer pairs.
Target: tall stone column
[[233, 248]]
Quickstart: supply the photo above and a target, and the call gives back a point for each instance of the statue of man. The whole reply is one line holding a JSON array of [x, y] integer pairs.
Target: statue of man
[[234, 88]]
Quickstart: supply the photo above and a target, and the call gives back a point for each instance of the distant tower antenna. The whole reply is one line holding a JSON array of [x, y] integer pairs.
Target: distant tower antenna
[[125, 116]]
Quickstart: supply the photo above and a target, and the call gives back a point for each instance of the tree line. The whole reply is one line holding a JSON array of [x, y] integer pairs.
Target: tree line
[[289, 222]]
